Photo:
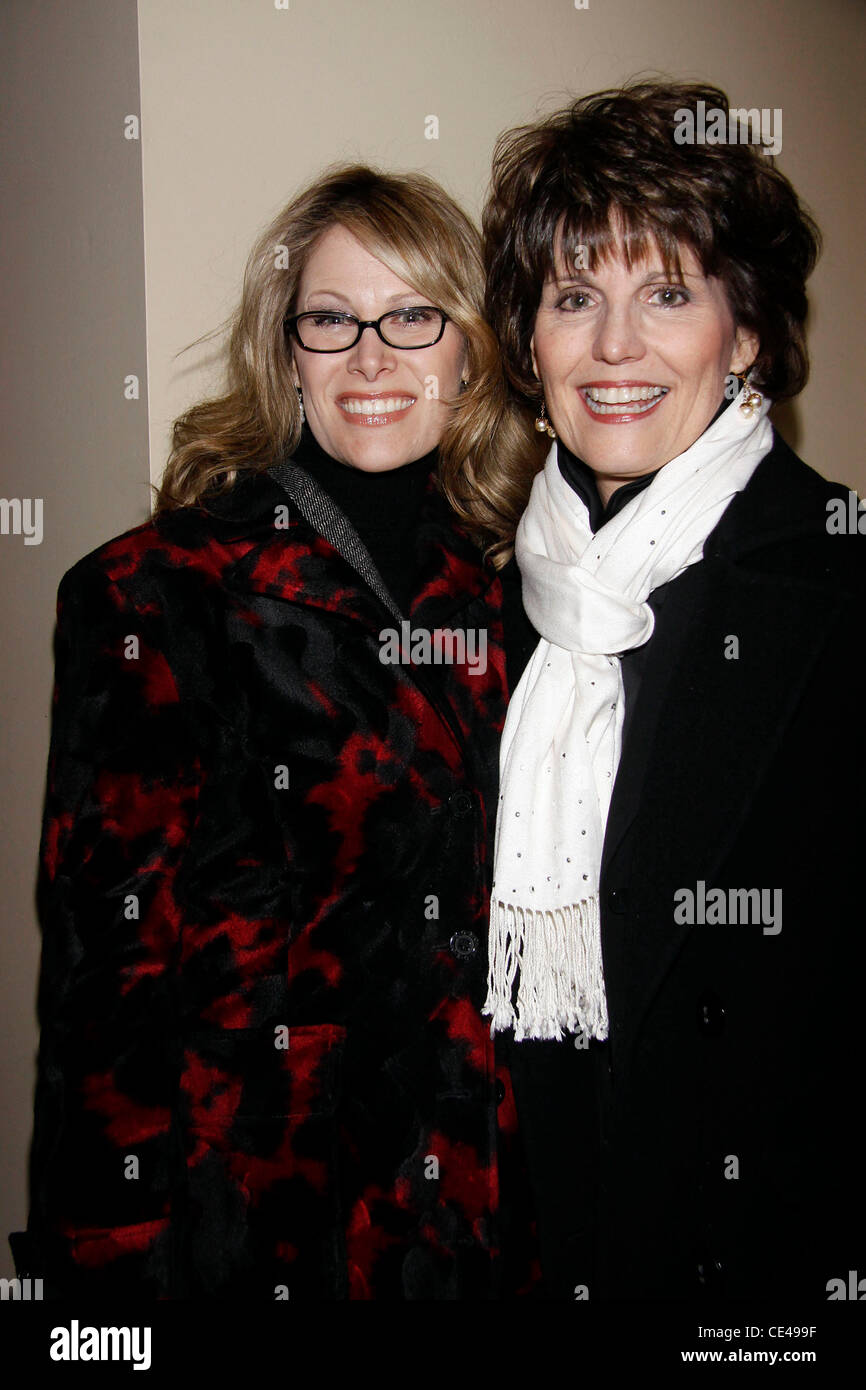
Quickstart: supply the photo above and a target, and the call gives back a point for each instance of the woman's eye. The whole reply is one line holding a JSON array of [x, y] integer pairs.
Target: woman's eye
[[575, 301], [419, 315], [670, 296], [328, 320]]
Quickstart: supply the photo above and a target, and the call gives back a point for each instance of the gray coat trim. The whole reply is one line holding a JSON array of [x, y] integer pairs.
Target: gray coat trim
[[325, 516]]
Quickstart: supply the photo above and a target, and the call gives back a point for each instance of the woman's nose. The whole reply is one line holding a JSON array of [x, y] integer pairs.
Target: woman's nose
[[618, 337], [370, 354]]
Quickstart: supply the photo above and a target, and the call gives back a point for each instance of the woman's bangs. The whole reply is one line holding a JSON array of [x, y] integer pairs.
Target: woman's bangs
[[588, 238]]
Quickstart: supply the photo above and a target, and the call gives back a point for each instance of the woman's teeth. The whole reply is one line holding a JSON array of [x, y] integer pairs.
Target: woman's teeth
[[606, 400], [383, 405]]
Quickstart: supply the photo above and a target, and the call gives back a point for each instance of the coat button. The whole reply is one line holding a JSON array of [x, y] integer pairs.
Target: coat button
[[709, 1272], [500, 1090], [616, 900], [464, 943], [460, 804], [711, 1015]]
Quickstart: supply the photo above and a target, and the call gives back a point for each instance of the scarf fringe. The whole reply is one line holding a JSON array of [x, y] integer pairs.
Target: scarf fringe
[[558, 956]]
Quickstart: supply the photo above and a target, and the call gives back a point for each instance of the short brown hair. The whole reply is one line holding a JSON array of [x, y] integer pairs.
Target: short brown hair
[[609, 165]]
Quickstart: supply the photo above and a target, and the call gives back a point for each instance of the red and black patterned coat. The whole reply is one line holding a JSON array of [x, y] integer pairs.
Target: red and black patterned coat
[[263, 1070]]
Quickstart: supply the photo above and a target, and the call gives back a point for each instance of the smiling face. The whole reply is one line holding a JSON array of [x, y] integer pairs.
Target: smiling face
[[373, 407], [633, 364]]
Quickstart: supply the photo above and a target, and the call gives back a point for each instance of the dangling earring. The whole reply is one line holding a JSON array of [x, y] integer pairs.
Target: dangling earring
[[752, 399], [301, 404], [542, 423]]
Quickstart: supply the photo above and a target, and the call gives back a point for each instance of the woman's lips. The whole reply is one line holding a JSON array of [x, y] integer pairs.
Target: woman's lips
[[621, 402], [375, 410]]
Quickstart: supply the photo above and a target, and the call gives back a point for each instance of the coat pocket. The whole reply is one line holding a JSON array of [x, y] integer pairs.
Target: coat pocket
[[262, 1213]]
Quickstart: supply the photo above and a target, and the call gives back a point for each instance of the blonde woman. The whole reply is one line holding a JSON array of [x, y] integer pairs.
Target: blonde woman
[[273, 764]]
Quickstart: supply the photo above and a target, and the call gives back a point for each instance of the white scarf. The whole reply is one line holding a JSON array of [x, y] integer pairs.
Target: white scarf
[[587, 596]]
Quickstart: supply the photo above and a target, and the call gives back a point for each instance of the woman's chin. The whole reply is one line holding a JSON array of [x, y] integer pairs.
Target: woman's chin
[[373, 453], [620, 463]]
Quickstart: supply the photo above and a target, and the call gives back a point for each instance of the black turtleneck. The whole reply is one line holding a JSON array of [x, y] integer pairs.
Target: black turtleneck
[[581, 479], [384, 508]]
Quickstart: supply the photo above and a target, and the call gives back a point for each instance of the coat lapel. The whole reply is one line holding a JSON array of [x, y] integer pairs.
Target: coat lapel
[[666, 659], [283, 537], [326, 518], [271, 532], [706, 725], [450, 572], [248, 519]]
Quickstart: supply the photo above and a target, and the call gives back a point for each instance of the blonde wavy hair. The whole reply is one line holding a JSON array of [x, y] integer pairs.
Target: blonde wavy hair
[[488, 453]]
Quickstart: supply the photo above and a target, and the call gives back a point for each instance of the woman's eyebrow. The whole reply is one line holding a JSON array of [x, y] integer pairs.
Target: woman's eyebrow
[[392, 299], [585, 277]]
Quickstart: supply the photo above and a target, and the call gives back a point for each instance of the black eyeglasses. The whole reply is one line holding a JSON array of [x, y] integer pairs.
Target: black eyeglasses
[[419, 326]]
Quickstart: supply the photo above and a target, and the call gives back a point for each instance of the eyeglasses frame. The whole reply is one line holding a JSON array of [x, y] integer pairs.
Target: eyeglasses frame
[[290, 322]]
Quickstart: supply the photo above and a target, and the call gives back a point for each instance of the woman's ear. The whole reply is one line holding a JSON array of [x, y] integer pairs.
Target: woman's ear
[[295, 377], [532, 355], [747, 345], [464, 361]]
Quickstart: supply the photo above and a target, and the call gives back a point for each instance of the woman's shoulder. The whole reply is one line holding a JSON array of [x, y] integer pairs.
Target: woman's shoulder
[[792, 519], [183, 552], [184, 542], [137, 559]]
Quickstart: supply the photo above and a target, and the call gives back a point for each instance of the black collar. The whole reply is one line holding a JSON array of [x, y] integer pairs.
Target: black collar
[[371, 501], [581, 478]]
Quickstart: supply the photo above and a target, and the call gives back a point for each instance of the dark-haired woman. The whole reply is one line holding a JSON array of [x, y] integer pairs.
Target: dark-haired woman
[[676, 932], [263, 1069]]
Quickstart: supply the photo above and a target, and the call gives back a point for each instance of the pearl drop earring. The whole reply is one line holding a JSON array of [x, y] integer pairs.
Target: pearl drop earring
[[752, 399], [542, 423]]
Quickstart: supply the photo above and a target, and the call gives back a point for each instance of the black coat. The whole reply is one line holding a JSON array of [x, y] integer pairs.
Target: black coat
[[714, 1144], [263, 1071]]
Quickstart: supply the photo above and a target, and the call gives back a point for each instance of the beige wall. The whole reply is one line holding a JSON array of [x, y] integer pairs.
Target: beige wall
[[72, 314], [241, 103]]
